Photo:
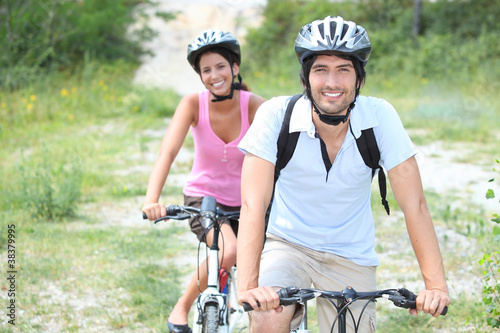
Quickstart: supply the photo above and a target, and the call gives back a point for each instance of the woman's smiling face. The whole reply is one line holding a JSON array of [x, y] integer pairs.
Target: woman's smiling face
[[216, 73]]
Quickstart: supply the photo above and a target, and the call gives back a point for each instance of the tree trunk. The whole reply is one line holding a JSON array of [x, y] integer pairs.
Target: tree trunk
[[417, 13]]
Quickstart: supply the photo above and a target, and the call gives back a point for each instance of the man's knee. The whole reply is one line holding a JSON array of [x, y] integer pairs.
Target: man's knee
[[271, 321]]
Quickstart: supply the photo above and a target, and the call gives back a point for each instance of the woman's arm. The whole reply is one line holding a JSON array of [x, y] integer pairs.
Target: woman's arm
[[185, 115]]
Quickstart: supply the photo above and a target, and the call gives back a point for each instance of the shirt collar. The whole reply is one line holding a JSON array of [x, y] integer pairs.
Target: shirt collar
[[301, 119]]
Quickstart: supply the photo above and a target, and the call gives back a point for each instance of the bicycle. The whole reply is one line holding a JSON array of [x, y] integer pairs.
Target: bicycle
[[401, 297], [217, 308]]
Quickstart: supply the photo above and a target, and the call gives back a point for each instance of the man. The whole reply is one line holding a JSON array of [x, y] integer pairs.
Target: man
[[321, 229]]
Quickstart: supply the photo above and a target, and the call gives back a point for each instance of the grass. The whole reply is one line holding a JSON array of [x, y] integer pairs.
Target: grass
[[89, 139], [109, 274]]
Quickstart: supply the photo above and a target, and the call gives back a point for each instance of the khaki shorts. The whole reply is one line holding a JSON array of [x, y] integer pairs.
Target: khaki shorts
[[286, 264], [194, 223]]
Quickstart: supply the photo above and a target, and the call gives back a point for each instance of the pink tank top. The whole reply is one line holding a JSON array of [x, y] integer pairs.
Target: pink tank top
[[217, 165]]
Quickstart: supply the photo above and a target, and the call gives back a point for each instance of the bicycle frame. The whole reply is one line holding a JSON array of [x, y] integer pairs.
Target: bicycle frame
[[218, 311], [212, 295]]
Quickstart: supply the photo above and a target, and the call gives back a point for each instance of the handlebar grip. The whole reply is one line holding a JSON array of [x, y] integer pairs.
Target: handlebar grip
[[413, 305], [247, 307], [285, 295], [171, 211], [413, 300]]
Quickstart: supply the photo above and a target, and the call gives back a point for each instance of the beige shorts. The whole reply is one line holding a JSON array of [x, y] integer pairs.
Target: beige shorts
[[286, 264]]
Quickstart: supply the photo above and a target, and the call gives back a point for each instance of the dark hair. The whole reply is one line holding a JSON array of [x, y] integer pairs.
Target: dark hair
[[309, 61], [231, 57]]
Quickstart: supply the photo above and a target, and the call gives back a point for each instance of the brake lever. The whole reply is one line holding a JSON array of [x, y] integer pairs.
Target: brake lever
[[173, 217]]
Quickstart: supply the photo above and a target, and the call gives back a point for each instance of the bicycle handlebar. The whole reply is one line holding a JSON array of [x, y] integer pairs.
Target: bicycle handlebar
[[208, 209], [174, 212], [401, 297]]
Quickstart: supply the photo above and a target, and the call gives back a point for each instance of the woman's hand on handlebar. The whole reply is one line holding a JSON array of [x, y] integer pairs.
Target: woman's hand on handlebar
[[431, 302], [154, 211], [261, 299]]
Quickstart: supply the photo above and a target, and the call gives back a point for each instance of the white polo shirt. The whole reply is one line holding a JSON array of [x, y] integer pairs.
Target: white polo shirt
[[327, 210]]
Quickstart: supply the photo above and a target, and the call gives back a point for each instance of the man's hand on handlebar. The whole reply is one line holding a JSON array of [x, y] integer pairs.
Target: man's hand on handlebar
[[261, 299], [431, 302]]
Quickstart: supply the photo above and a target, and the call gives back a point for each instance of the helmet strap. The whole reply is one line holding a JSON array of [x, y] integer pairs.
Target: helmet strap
[[333, 120], [223, 98]]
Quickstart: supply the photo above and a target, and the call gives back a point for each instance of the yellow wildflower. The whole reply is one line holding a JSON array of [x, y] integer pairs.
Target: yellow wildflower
[[73, 90], [32, 97], [29, 106], [70, 117], [64, 92]]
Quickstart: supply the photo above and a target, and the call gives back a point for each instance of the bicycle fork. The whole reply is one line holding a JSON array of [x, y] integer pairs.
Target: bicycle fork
[[212, 295]]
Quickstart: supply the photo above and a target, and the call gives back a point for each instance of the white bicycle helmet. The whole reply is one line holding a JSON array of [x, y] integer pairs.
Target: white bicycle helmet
[[209, 39], [333, 34]]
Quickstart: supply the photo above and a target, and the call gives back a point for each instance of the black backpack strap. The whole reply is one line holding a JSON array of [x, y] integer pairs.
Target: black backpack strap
[[368, 148], [286, 141], [286, 146]]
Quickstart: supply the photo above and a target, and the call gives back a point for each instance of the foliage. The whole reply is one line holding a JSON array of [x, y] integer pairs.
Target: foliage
[[491, 263], [50, 34], [469, 53], [74, 112], [72, 97], [443, 15], [453, 78], [88, 129], [47, 188]]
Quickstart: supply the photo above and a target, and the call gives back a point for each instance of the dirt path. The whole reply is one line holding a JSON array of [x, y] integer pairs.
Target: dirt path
[[169, 67], [440, 173]]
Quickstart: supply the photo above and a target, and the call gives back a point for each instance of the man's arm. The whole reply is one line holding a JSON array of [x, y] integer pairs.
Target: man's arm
[[407, 187], [257, 179]]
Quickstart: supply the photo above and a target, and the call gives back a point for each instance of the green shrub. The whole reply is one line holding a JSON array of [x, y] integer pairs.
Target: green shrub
[[47, 187], [471, 55], [491, 274], [51, 34]]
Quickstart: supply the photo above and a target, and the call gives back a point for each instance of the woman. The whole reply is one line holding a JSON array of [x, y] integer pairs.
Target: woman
[[219, 118]]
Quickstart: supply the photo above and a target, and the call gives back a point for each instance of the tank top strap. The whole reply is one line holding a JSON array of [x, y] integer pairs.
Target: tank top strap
[[203, 113]]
